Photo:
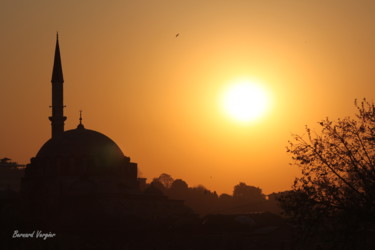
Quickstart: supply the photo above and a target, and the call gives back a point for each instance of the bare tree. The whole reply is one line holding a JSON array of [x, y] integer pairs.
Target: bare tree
[[336, 190]]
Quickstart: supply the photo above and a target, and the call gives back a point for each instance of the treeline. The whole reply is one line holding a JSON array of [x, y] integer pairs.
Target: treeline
[[244, 199], [7, 163], [10, 174]]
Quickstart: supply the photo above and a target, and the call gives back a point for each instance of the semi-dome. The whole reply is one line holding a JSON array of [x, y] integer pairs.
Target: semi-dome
[[81, 142]]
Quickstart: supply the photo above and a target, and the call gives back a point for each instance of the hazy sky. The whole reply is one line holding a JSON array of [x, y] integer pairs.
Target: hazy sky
[[157, 96]]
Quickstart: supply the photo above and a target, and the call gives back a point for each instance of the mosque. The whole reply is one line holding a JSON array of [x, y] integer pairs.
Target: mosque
[[81, 173]]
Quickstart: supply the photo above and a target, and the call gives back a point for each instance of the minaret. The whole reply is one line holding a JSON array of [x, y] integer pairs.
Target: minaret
[[57, 119]]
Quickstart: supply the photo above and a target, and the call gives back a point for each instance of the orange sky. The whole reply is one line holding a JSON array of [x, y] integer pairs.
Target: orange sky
[[157, 95]]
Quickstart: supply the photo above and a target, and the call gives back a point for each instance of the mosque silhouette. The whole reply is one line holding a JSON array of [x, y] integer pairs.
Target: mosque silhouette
[[80, 176]]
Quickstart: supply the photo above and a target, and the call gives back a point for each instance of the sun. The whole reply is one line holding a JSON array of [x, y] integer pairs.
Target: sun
[[245, 101]]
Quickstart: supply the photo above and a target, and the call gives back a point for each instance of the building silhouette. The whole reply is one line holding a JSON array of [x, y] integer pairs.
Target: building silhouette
[[81, 174]]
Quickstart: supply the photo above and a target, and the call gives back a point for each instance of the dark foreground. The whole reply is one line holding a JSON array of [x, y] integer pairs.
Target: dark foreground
[[253, 231]]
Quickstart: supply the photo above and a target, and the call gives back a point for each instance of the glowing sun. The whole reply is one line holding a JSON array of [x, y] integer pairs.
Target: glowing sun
[[245, 101]]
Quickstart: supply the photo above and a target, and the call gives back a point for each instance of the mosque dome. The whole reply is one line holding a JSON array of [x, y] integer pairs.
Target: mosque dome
[[81, 142]]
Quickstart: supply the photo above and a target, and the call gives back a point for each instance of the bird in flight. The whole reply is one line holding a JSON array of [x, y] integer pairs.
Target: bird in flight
[[177, 34]]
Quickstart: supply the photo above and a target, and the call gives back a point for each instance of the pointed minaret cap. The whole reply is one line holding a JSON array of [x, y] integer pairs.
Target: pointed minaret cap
[[57, 74], [80, 125]]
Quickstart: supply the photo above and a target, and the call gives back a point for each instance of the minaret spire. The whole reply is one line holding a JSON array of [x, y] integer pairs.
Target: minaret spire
[[57, 119], [80, 125], [57, 74]]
